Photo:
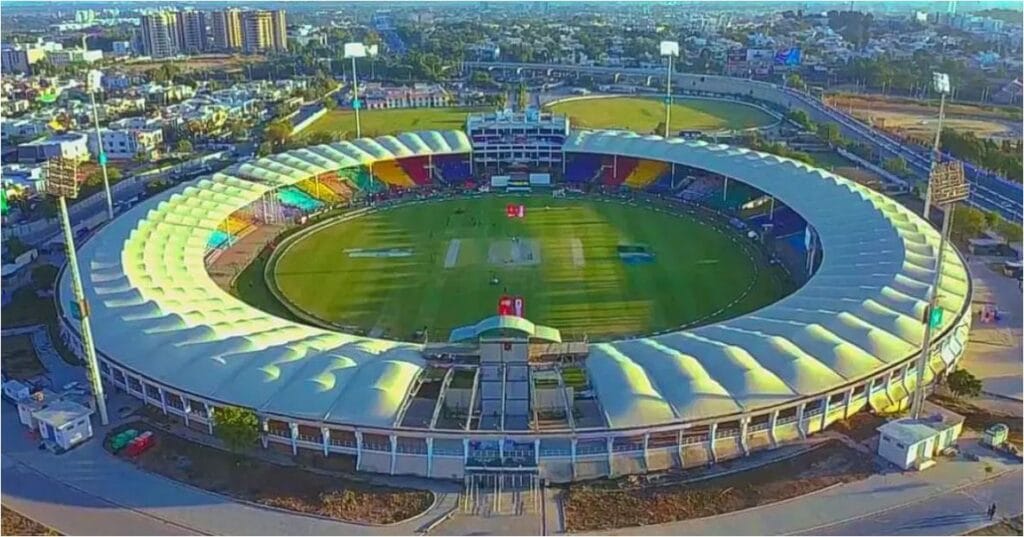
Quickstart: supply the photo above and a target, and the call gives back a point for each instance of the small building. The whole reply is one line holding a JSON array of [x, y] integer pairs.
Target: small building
[[68, 145], [65, 423], [913, 443]]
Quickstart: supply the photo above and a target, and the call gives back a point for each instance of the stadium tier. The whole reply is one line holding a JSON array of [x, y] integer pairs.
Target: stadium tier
[[293, 197], [847, 339], [417, 169], [617, 169], [583, 168], [645, 173], [452, 169], [391, 173]]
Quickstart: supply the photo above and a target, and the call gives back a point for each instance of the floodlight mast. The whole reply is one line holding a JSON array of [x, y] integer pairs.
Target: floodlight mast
[[940, 82], [670, 49], [93, 80], [62, 182], [358, 50]]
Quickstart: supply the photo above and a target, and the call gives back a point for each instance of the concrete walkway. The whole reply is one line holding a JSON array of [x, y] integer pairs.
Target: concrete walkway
[[994, 351], [857, 508], [87, 491]]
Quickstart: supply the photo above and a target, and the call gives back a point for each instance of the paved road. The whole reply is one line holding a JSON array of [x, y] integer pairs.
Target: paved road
[[954, 513]]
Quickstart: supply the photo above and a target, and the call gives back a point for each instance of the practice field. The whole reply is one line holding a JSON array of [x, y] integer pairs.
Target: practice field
[[590, 267], [644, 114], [393, 121]]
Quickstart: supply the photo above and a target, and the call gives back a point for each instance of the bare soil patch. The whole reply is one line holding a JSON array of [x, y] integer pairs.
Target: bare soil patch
[[292, 488], [979, 419], [1009, 526], [596, 506], [19, 357], [12, 523], [860, 426]]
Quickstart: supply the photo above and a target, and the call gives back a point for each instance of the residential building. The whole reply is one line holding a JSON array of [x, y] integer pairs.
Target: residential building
[[85, 16], [61, 58], [69, 145], [22, 129], [417, 96], [192, 31], [126, 138], [264, 31], [121, 48], [226, 27], [19, 58], [159, 34]]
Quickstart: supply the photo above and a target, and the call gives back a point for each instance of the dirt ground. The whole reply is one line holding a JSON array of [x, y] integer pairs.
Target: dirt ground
[[278, 486], [593, 507], [12, 523], [1010, 526], [979, 419], [205, 62], [861, 176], [19, 359], [860, 426], [918, 120]]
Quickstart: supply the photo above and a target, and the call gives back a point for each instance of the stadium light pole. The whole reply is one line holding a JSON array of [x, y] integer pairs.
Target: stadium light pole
[[358, 50], [950, 188], [670, 49], [940, 81], [62, 182], [93, 80]]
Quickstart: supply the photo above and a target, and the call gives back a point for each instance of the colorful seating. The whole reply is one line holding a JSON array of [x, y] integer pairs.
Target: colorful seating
[[390, 172], [583, 168], [452, 169], [416, 169], [645, 173], [293, 197], [617, 169]]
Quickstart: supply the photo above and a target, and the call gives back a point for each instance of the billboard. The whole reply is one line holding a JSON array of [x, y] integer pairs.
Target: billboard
[[789, 56], [514, 210]]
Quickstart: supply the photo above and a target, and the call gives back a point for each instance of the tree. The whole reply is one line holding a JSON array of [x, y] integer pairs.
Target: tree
[[795, 81], [330, 103], [239, 428], [800, 118], [96, 177], [896, 166], [321, 137], [481, 78], [16, 246], [184, 146], [522, 98], [264, 149], [962, 383], [44, 276], [967, 223], [278, 132], [828, 132]]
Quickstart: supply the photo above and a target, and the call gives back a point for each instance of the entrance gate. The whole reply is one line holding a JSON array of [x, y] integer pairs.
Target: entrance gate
[[494, 493]]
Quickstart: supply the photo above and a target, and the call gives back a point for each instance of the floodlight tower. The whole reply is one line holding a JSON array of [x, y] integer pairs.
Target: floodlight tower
[[62, 182], [670, 49], [93, 80], [940, 81], [358, 50]]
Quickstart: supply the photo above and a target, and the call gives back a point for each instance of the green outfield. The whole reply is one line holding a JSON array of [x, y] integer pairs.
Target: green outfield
[[644, 114], [393, 121], [583, 266]]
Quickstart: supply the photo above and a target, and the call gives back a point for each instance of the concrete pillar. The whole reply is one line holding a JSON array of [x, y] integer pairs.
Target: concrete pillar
[[610, 443], [293, 428], [800, 420], [264, 429], [647, 441], [209, 417], [679, 446], [615, 167], [501, 450], [725, 189], [359, 449], [772, 421], [712, 431], [325, 437], [849, 400], [536, 452], [394, 452], [186, 407], [163, 400], [465, 452], [572, 456], [430, 456], [824, 410], [744, 427]]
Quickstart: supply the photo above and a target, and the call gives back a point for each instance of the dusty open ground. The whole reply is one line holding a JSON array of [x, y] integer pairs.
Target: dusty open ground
[[918, 119], [978, 418], [608, 505], [19, 358], [12, 523], [1010, 526], [205, 62], [278, 486]]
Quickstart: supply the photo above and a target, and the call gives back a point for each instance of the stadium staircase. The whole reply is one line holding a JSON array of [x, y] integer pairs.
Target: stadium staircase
[[390, 172], [616, 173], [645, 173]]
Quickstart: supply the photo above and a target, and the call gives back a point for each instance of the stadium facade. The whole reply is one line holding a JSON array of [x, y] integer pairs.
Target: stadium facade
[[846, 340]]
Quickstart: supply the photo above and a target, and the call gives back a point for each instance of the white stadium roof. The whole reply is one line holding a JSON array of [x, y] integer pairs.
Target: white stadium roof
[[157, 312]]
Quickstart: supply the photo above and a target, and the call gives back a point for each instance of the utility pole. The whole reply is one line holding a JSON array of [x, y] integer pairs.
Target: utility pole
[[62, 182], [93, 81], [670, 49], [940, 81]]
